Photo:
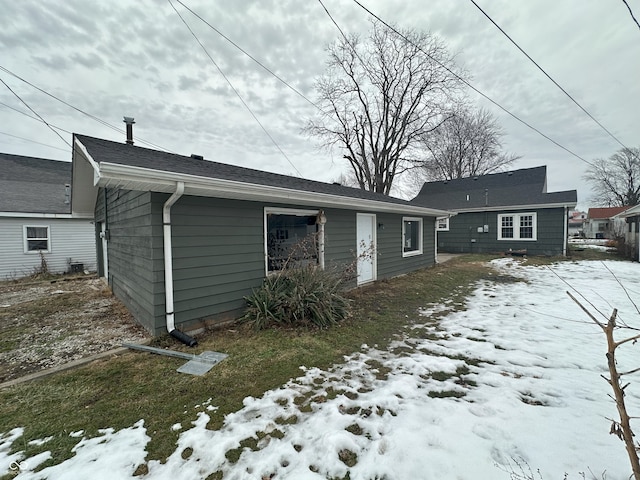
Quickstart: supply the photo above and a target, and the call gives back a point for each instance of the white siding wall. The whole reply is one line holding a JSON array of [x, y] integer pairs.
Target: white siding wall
[[69, 239]]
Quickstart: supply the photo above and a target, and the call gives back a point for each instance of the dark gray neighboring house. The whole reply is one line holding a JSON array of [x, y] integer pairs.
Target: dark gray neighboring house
[[501, 212], [181, 240], [36, 223]]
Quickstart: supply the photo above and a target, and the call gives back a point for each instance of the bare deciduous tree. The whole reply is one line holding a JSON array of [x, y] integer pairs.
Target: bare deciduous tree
[[380, 96], [468, 143], [616, 180]]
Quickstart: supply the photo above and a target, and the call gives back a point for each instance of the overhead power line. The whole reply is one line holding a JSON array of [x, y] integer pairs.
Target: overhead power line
[[34, 118], [93, 117], [35, 113], [631, 13], [258, 62], [233, 88], [547, 75], [33, 141], [482, 94]]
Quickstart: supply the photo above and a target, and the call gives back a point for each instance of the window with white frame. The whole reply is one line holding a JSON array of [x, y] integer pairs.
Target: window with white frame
[[442, 224], [291, 238], [411, 236], [517, 226], [36, 239]]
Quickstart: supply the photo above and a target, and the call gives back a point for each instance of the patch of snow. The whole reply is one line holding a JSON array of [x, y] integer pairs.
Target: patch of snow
[[176, 426], [514, 378], [77, 434], [40, 441]]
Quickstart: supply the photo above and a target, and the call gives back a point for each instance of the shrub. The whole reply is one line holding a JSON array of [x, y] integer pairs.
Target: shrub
[[304, 296]]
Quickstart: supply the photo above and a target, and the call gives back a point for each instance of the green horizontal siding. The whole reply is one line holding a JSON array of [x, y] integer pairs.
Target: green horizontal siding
[[389, 235], [463, 236], [218, 252], [130, 219]]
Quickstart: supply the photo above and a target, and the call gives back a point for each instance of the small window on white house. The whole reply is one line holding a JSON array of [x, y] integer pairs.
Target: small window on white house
[[411, 236], [291, 238], [36, 239], [442, 224], [517, 226]]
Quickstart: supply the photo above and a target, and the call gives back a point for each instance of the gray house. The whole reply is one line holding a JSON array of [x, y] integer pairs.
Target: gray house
[[181, 240], [36, 224], [501, 212]]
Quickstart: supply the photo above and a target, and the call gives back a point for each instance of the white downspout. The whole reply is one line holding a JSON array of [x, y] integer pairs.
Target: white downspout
[[322, 219], [168, 266], [566, 231]]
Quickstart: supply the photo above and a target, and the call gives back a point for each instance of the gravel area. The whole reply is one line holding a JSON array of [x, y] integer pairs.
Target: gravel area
[[46, 324]]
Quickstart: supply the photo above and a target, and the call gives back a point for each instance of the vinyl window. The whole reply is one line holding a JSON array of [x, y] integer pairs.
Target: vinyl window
[[36, 239], [411, 236], [291, 238], [517, 226], [442, 224]]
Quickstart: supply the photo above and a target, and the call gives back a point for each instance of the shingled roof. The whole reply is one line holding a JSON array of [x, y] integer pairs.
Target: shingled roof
[[605, 212], [156, 170], [525, 188], [33, 185]]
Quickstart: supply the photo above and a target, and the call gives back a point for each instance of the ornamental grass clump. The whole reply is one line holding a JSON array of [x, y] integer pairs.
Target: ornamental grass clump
[[303, 296]]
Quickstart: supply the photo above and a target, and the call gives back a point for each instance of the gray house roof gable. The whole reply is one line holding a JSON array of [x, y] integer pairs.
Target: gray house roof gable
[[31, 185], [118, 165], [517, 189]]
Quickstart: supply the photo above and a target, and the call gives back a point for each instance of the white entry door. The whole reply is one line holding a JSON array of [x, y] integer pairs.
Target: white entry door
[[366, 248]]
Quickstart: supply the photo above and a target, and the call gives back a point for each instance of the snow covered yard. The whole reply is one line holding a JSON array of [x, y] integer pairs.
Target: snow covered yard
[[514, 378]]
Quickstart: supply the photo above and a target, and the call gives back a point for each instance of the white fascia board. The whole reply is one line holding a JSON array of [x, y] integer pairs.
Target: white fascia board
[[87, 155], [630, 212], [43, 215], [514, 207], [138, 178]]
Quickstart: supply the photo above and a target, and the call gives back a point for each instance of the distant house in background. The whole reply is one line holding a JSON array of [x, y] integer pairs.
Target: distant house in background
[[576, 223], [604, 222], [501, 212], [36, 224], [631, 216]]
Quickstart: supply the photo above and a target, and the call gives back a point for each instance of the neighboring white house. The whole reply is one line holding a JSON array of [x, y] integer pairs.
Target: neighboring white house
[[37, 229], [604, 223], [576, 223]]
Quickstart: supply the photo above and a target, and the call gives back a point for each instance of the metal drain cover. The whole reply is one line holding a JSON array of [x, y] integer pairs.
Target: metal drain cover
[[202, 363]]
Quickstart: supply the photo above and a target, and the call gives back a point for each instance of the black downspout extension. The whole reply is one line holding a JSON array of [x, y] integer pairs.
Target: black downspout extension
[[183, 337]]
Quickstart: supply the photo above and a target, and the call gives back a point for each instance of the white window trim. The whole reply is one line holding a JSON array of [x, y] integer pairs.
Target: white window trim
[[446, 227], [26, 240], [286, 211], [420, 238], [516, 226]]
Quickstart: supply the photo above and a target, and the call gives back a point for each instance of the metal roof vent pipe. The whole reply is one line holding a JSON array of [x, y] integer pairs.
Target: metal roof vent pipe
[[129, 121]]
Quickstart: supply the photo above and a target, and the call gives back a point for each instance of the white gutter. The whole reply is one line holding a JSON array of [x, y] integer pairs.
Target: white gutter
[[138, 178], [498, 208], [168, 267]]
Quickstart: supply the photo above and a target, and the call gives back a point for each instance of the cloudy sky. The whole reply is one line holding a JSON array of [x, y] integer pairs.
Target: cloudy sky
[[124, 58]]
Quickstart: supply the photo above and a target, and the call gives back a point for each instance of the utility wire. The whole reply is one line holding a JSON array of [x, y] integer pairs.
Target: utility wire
[[93, 117], [233, 88], [35, 118], [36, 113], [271, 72], [631, 13], [547, 75], [33, 141], [485, 96]]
